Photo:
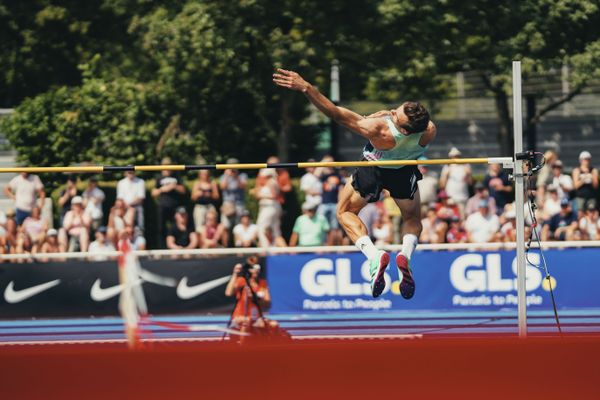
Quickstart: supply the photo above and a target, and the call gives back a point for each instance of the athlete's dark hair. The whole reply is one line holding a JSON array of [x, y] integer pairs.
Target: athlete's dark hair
[[418, 117]]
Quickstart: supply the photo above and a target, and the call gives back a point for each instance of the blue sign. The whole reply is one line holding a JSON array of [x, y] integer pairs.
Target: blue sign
[[445, 280]]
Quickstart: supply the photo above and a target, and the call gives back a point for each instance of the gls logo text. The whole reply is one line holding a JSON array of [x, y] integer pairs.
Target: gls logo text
[[469, 273], [322, 277]]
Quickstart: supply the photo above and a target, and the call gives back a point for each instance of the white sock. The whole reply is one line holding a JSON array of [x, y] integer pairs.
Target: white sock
[[367, 247], [409, 243]]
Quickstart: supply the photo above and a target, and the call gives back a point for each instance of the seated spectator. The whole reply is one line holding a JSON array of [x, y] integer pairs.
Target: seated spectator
[[268, 239], [508, 231], [8, 240], [135, 235], [310, 228], [93, 197], [551, 203], [562, 226], [35, 227], [482, 226], [24, 244], [181, 235], [205, 195], [50, 245], [119, 217], [446, 208], [434, 229], [76, 228], [382, 230], [212, 234], [589, 224], [332, 181], [393, 211], [245, 234], [100, 245], [481, 193], [456, 232], [66, 196]]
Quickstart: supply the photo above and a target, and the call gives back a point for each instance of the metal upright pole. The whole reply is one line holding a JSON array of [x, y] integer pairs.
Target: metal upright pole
[[519, 199]]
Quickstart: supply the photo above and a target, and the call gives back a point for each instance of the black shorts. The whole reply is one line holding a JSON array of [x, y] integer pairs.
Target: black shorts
[[400, 182]]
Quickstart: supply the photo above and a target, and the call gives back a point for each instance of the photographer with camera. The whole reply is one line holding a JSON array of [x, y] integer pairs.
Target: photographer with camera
[[252, 297]]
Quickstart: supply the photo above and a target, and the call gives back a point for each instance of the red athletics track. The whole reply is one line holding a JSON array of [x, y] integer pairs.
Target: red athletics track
[[490, 368]]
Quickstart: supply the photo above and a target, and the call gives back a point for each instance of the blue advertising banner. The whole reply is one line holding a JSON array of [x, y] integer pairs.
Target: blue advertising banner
[[446, 280]]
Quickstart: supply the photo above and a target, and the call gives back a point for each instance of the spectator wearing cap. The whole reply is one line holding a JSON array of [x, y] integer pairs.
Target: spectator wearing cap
[[50, 245], [24, 189], [169, 191], [93, 197], [233, 184], [212, 234], [119, 217], [434, 228], [181, 235], [499, 186], [562, 226], [482, 226], [205, 196], [310, 229], [455, 179], [481, 193], [245, 234], [100, 245], [66, 195], [551, 205], [589, 224], [75, 231], [585, 181], [35, 227], [132, 191], [456, 232]]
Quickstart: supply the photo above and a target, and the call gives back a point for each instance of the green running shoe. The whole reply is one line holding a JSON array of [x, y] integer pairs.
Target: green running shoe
[[377, 268]]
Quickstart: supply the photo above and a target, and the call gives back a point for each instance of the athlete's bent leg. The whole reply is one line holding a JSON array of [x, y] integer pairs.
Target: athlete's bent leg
[[349, 204], [411, 230]]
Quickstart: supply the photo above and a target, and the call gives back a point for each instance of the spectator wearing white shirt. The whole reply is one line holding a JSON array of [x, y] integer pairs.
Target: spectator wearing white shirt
[[100, 245], [428, 187], [76, 227], [24, 189], [589, 224], [245, 234], [563, 182], [456, 179], [482, 226], [132, 191], [552, 203], [311, 185], [93, 197]]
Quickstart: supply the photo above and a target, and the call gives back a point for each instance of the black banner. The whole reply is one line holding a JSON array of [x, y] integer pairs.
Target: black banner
[[83, 288]]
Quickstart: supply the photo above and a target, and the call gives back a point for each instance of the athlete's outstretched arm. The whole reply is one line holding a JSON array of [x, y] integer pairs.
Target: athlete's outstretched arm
[[348, 118]]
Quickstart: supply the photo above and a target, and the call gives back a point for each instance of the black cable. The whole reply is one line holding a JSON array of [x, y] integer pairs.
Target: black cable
[[532, 206]]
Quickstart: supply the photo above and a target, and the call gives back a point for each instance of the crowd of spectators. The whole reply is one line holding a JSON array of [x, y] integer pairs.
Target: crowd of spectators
[[456, 207]]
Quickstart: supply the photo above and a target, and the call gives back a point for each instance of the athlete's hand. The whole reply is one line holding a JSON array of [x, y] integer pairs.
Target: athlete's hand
[[290, 80]]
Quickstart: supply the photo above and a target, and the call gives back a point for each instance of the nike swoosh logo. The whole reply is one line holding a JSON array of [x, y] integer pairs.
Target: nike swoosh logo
[[13, 296], [101, 294], [185, 292]]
